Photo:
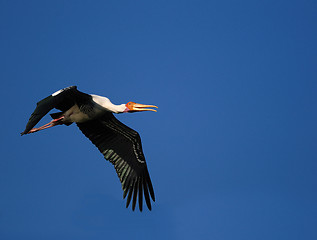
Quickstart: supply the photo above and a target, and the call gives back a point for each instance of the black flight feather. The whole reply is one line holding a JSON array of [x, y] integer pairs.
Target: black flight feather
[[121, 146], [135, 193]]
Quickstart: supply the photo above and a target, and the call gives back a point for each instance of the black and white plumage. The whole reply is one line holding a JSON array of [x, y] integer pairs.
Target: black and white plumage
[[118, 143]]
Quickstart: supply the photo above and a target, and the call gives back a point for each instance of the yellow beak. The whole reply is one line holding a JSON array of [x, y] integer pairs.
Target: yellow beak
[[141, 107]]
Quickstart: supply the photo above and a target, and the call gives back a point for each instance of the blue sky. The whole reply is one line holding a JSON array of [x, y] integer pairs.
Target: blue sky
[[231, 151]]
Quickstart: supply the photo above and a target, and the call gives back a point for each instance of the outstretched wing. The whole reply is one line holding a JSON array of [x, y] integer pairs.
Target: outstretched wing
[[62, 100], [121, 146]]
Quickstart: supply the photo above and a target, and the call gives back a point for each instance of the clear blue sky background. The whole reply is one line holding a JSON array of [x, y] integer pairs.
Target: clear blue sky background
[[231, 152]]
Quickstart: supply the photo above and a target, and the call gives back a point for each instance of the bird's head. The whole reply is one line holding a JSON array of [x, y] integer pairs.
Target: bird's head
[[137, 107]]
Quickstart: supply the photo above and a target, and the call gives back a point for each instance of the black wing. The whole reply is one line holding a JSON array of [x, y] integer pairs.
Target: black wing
[[63, 100], [121, 146]]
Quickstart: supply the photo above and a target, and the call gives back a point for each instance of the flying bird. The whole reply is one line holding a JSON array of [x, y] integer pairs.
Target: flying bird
[[118, 143]]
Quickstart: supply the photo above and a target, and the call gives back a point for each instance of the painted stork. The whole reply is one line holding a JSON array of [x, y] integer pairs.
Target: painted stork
[[118, 143]]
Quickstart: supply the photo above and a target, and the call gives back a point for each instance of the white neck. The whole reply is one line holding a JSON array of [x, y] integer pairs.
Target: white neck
[[105, 102]]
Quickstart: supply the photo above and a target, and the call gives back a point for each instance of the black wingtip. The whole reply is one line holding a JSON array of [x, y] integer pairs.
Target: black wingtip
[[135, 194], [151, 190], [129, 196], [140, 194]]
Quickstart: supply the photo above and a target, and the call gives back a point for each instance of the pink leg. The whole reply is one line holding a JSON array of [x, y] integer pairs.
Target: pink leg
[[52, 123]]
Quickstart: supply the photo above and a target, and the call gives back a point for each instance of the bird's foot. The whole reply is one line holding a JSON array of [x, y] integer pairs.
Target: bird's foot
[[54, 122]]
